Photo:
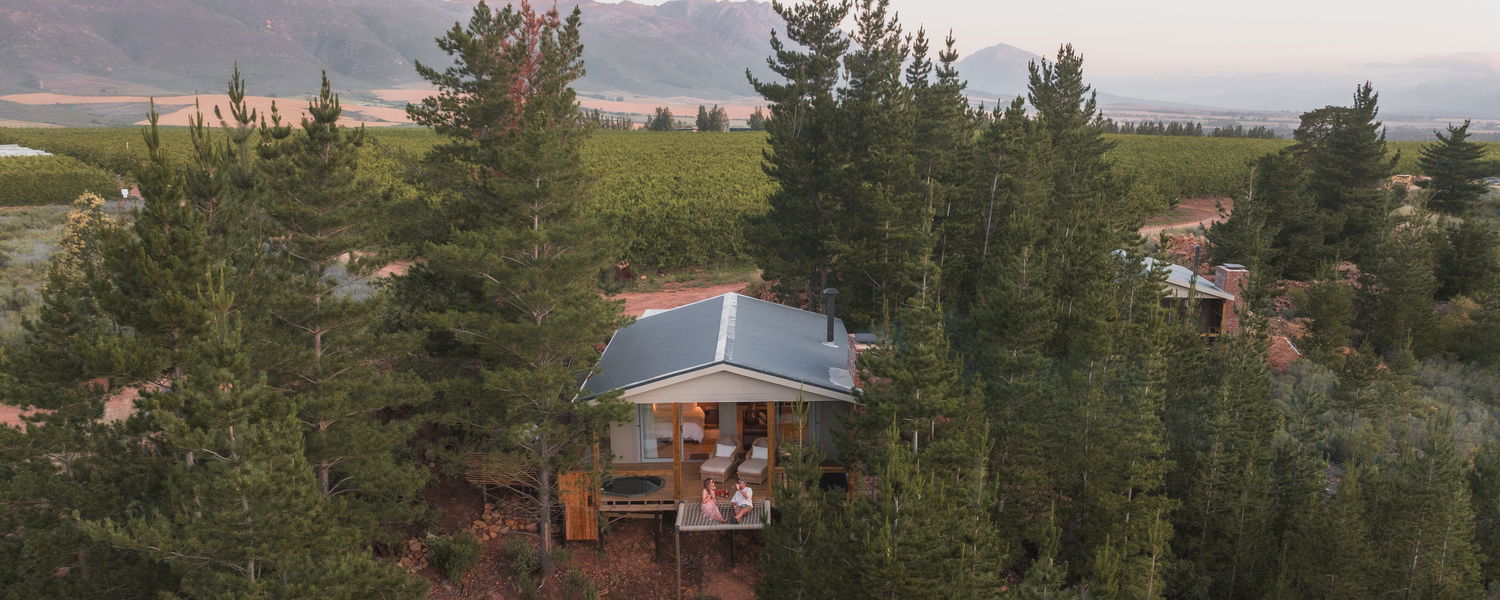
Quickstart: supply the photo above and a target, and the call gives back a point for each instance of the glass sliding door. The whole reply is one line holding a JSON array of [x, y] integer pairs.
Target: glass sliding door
[[656, 431]]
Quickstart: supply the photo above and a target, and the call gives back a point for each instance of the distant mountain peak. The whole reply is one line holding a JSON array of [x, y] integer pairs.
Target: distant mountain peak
[[1000, 69], [1005, 51]]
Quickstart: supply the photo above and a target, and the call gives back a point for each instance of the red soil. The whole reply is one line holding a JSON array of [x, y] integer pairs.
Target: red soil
[[176, 110], [675, 295], [636, 558], [683, 108], [118, 407], [1190, 212]]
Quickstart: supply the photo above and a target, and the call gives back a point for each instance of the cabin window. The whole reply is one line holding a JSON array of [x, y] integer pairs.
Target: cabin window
[[698, 433], [791, 428], [656, 431]]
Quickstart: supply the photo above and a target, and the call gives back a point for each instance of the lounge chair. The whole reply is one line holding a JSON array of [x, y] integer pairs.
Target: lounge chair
[[726, 456], [753, 470]]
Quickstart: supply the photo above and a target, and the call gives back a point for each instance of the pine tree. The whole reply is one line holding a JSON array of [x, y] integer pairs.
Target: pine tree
[[1468, 258], [1329, 307], [325, 331], [718, 118], [1045, 579], [1332, 555], [914, 384], [1001, 209], [158, 266], [1222, 423], [518, 243], [1274, 228], [67, 343], [1344, 151], [1401, 285], [924, 532], [1087, 218], [241, 515], [807, 551], [757, 120], [1424, 522], [705, 122], [792, 241], [67, 461], [944, 143], [882, 231], [1484, 489], [662, 120], [1455, 166], [67, 465]]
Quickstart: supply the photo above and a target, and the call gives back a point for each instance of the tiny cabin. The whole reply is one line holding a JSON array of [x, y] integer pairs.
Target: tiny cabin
[[719, 388], [1214, 302]]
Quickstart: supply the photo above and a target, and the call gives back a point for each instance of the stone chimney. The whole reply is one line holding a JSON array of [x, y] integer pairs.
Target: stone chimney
[[1231, 278]]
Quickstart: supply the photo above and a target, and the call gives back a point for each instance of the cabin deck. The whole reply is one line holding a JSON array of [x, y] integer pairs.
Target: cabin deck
[[666, 498]]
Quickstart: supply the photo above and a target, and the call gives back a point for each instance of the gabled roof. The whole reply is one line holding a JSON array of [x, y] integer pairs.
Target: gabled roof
[[730, 329], [1182, 278]]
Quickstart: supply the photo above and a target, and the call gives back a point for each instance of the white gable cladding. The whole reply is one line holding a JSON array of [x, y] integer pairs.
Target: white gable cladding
[[727, 383]]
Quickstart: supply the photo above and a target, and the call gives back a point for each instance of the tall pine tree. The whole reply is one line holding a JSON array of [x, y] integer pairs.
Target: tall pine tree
[[240, 514], [793, 242], [324, 323], [518, 244]]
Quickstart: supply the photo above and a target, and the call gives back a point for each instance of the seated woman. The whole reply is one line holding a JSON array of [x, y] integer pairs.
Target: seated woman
[[711, 503]]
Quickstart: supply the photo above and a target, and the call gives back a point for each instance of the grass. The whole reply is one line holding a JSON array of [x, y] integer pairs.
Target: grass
[[28, 236]]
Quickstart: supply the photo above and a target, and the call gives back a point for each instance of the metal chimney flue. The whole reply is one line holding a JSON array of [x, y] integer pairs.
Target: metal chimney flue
[[829, 295]]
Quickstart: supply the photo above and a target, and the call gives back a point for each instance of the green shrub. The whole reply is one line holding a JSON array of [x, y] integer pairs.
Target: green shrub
[[38, 180], [454, 554], [523, 556], [527, 562], [578, 587]]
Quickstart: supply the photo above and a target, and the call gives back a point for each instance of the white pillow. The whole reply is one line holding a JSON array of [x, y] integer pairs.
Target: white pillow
[[758, 452], [723, 451]]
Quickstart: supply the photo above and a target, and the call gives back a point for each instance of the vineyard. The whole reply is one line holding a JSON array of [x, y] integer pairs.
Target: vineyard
[[1165, 168], [41, 180], [673, 199]]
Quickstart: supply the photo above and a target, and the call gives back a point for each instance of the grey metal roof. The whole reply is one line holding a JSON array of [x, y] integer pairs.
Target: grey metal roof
[[1183, 277], [730, 329]]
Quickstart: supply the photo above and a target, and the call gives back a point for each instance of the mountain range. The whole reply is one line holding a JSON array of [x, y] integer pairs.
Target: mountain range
[[686, 50], [693, 48]]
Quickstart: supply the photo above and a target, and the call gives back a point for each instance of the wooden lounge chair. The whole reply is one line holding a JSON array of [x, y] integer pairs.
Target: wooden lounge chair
[[726, 457], [753, 470]]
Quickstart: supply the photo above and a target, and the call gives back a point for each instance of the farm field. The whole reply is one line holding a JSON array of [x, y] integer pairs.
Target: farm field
[[51, 180], [673, 199]]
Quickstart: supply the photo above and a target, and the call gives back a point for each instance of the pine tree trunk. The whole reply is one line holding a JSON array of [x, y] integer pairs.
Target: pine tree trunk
[[544, 501], [323, 478]]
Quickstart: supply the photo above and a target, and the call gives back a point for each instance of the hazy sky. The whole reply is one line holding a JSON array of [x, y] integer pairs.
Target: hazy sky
[[1177, 37]]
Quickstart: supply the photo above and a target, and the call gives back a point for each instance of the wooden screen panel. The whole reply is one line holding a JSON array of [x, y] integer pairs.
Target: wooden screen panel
[[580, 515]]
